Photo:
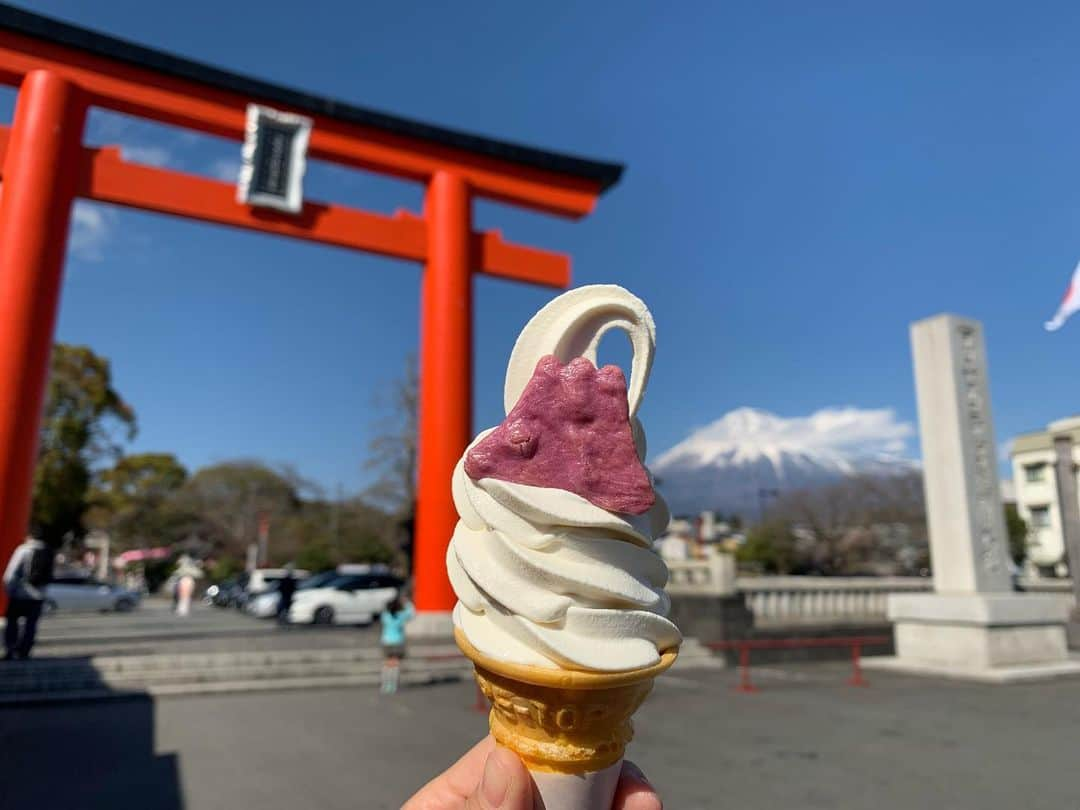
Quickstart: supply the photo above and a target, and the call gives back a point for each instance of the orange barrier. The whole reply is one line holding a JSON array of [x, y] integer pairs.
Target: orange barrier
[[744, 646]]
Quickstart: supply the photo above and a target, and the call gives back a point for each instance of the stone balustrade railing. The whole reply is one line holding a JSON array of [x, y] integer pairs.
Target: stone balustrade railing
[[809, 599], [780, 600]]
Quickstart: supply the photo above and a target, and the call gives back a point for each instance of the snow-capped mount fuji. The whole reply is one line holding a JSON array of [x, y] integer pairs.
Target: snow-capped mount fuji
[[726, 464]]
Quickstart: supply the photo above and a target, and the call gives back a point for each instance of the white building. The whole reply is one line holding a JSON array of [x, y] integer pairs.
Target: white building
[[1033, 460], [687, 537]]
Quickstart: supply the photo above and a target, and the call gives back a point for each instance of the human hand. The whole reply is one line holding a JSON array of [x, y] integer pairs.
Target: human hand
[[493, 778]]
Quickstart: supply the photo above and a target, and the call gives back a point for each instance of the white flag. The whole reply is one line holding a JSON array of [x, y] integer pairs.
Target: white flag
[[1069, 304]]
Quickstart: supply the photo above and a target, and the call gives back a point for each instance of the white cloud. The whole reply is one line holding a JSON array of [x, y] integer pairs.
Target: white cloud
[[836, 432], [148, 155], [227, 169], [91, 226]]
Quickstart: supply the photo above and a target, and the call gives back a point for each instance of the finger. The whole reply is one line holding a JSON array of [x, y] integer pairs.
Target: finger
[[505, 784], [464, 775], [634, 791], [452, 787]]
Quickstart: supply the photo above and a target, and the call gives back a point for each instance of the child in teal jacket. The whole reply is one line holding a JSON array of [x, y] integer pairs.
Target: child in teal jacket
[[393, 619]]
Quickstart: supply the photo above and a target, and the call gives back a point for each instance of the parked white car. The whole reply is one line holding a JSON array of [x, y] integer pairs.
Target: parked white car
[[346, 599], [265, 604], [262, 578], [80, 593]]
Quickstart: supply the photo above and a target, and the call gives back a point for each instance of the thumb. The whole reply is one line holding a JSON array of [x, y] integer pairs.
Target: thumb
[[505, 784]]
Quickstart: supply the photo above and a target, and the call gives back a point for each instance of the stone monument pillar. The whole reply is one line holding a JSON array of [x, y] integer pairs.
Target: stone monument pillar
[[973, 625], [1069, 506]]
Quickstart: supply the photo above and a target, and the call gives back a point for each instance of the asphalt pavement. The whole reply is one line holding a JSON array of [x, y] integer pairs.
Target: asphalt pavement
[[153, 629], [806, 740]]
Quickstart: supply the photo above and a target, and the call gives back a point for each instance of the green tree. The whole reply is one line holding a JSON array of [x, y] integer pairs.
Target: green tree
[[1017, 529], [771, 547], [221, 506], [323, 534], [82, 425], [225, 502], [316, 557], [134, 501]]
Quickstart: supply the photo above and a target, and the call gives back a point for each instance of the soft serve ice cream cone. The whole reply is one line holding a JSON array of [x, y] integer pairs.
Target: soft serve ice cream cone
[[561, 605]]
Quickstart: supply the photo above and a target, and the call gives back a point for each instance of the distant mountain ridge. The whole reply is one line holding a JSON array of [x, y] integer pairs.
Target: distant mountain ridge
[[725, 464]]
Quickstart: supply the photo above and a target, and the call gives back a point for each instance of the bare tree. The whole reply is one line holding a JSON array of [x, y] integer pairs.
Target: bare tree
[[861, 523], [392, 454], [225, 500]]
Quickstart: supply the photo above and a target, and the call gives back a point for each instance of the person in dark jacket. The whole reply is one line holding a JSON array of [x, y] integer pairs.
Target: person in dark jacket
[[286, 589], [25, 579]]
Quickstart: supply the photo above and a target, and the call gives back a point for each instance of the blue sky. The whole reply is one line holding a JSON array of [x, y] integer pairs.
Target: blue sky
[[802, 184]]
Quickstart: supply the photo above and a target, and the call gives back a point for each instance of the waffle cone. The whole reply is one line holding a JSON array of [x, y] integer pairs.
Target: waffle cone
[[565, 721]]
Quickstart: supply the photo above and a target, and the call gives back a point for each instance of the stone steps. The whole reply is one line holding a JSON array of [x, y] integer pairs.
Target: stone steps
[[63, 679], [90, 676], [121, 663], [96, 677]]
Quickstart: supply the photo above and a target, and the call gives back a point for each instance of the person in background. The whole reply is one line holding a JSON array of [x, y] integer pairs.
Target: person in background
[[185, 587], [28, 572], [187, 571], [286, 589], [393, 619]]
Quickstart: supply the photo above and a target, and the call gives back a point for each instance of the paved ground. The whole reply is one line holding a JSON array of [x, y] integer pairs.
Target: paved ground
[[154, 628], [804, 741]]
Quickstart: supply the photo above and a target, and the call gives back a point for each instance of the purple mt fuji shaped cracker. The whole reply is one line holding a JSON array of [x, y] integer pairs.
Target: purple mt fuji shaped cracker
[[570, 430]]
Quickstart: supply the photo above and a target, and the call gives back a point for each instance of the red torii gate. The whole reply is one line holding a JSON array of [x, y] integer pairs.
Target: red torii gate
[[62, 70]]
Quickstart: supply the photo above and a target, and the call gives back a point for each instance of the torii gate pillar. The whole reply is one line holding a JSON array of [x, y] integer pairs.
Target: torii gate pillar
[[41, 170], [445, 422]]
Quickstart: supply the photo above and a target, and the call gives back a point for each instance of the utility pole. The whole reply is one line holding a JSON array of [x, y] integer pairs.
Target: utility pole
[[264, 538], [250, 515], [335, 519]]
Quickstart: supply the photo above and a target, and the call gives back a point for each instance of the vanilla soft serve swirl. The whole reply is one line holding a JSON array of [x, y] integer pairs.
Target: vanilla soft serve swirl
[[544, 576]]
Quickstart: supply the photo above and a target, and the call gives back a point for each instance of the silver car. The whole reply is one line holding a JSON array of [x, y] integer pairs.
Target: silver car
[[74, 593]]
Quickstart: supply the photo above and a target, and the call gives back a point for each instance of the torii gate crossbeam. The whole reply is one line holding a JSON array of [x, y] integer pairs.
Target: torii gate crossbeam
[[63, 70]]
